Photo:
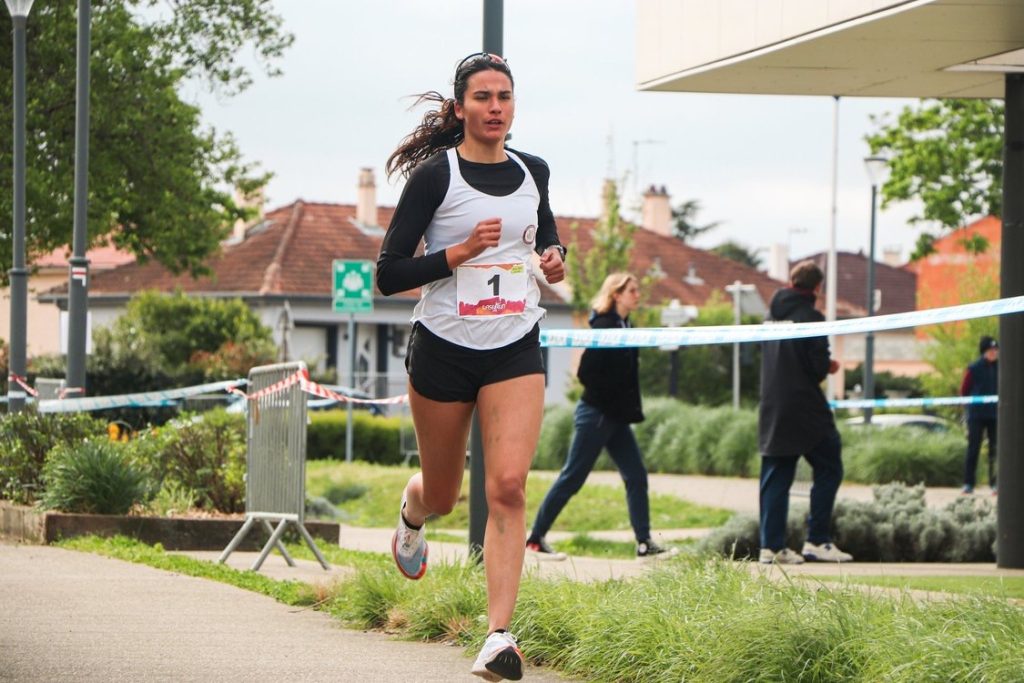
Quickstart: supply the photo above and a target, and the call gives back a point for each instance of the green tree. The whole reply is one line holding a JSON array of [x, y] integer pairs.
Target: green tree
[[947, 154], [612, 243], [704, 372], [684, 218], [954, 345], [159, 182], [734, 251]]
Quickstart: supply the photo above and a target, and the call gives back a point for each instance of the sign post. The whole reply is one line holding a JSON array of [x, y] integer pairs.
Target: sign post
[[352, 293]]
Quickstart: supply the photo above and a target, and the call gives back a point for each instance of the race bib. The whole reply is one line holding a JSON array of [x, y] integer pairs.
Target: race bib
[[490, 289]]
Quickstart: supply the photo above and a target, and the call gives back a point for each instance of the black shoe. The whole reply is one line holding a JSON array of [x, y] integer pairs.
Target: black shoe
[[542, 551], [650, 549]]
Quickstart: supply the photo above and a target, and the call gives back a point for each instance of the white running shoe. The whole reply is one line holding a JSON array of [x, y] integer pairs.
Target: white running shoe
[[784, 556], [826, 552], [409, 548], [542, 551], [499, 658]]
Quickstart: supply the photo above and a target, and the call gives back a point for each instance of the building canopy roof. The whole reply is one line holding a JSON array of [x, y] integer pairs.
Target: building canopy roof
[[865, 48]]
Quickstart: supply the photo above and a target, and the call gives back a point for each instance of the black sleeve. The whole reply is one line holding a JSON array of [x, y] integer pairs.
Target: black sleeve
[[398, 269], [816, 353], [547, 232]]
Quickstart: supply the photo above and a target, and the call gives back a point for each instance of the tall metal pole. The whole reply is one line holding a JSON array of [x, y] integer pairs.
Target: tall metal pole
[[78, 264], [735, 348], [349, 427], [831, 277], [18, 273], [1010, 506], [493, 33], [869, 342]]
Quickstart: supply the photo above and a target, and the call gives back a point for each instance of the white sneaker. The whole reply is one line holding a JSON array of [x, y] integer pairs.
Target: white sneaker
[[499, 658], [784, 556], [826, 552], [409, 548]]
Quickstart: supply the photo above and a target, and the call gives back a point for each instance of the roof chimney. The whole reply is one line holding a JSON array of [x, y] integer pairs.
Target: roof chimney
[[366, 198], [778, 262], [656, 214], [251, 200], [891, 256]]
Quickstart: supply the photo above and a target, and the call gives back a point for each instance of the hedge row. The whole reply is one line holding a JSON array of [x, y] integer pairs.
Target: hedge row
[[897, 526], [680, 438]]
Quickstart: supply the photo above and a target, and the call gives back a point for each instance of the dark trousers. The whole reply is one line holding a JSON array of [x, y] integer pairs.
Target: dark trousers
[[976, 427], [776, 479], [594, 432]]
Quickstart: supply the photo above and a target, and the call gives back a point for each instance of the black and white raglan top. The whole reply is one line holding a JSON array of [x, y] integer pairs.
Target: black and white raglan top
[[493, 299]]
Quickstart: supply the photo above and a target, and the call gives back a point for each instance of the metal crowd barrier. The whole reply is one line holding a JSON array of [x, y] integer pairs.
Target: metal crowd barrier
[[275, 483]]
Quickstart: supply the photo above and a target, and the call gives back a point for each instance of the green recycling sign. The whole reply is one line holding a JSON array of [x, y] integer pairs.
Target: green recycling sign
[[353, 286]]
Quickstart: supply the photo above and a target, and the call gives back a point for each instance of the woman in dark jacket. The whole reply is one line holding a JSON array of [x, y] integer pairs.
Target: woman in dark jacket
[[610, 404]]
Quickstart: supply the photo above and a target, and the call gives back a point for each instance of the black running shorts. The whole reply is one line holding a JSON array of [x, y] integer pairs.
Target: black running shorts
[[443, 371]]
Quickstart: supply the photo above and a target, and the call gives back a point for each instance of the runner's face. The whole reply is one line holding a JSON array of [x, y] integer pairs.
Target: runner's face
[[487, 107]]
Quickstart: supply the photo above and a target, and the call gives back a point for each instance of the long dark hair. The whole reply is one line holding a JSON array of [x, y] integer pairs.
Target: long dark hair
[[440, 129]]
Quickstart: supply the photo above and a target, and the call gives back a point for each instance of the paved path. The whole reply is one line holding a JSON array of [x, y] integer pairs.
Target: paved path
[[70, 616]]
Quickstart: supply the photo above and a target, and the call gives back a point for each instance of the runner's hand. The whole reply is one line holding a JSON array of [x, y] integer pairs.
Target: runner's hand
[[551, 265], [485, 234]]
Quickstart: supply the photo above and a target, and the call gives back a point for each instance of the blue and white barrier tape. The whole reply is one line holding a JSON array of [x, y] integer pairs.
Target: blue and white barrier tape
[[730, 334], [140, 400], [913, 402]]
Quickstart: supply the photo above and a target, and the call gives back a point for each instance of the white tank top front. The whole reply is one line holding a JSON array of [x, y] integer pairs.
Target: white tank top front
[[462, 208]]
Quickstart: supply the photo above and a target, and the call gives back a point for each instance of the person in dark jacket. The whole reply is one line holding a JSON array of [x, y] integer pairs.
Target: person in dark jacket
[[981, 379], [610, 404], [795, 420]]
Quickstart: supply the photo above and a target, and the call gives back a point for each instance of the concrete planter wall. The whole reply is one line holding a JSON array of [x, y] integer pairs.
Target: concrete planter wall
[[31, 525]]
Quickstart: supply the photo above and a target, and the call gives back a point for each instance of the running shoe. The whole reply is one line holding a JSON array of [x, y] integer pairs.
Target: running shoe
[[409, 548], [649, 550], [784, 556], [499, 658], [826, 552]]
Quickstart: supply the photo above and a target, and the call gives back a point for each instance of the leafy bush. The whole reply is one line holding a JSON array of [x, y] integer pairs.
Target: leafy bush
[[206, 456], [374, 438], [555, 437], [736, 453], [896, 527], [92, 476], [903, 454], [26, 438]]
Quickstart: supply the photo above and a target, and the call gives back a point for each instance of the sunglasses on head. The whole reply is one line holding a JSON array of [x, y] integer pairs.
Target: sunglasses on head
[[494, 59]]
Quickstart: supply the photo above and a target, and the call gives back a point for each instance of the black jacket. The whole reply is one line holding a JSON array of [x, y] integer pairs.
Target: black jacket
[[794, 414], [611, 377], [981, 379]]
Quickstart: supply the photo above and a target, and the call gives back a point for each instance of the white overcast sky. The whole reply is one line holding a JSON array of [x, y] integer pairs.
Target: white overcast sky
[[761, 165]]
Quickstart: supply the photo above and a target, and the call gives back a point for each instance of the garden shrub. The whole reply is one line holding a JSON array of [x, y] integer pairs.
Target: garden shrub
[[26, 438], [656, 410], [896, 527], [206, 455], [736, 453], [374, 438], [94, 476], [879, 456], [555, 436]]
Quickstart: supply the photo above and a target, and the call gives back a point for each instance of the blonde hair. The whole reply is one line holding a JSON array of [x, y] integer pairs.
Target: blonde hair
[[615, 283]]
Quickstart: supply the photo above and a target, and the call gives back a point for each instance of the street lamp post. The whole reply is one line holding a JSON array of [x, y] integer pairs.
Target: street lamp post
[[19, 10], [876, 167], [737, 289], [78, 264]]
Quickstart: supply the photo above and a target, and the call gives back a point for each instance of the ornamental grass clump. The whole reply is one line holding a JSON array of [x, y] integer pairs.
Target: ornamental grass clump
[[94, 476]]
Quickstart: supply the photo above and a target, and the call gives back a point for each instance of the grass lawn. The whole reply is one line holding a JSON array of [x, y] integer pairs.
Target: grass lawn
[[368, 495], [1011, 587], [691, 618]]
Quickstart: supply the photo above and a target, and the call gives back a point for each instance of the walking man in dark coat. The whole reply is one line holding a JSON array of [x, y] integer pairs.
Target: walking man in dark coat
[[981, 379], [795, 420]]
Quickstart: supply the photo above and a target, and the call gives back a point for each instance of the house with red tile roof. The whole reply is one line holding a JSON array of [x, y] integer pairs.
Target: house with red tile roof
[[46, 325], [952, 274], [281, 265]]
